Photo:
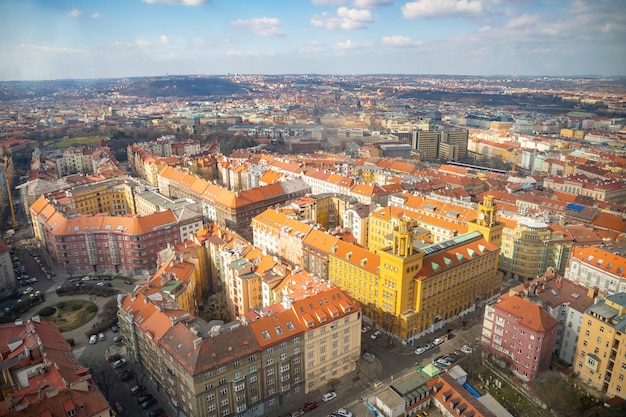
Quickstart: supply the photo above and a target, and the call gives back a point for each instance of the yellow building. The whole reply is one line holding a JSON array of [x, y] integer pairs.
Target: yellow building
[[109, 196], [600, 359], [530, 247], [409, 291]]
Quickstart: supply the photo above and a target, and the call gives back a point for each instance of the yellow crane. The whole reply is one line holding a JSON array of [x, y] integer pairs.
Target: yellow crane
[[6, 173]]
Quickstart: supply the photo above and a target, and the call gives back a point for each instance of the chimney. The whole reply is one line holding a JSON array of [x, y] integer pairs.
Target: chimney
[[592, 292]]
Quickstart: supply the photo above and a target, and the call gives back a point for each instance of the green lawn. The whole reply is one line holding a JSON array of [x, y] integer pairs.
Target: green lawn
[[70, 315], [77, 142]]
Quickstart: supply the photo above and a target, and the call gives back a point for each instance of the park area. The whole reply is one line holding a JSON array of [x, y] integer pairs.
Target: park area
[[69, 315]]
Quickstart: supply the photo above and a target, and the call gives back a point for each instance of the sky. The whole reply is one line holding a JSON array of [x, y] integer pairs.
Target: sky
[[61, 39]]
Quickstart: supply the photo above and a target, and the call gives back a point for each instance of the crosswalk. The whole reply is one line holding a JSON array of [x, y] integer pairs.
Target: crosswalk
[[372, 385], [79, 351]]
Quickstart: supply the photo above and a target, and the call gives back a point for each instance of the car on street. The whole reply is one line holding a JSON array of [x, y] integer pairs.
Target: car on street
[[143, 398], [466, 349], [119, 363], [159, 412], [310, 406], [127, 376], [100, 336], [329, 396], [93, 339], [27, 290], [119, 408], [437, 341], [343, 413], [117, 338], [136, 389], [376, 334], [148, 403], [87, 278], [366, 329], [428, 346], [419, 350], [297, 413]]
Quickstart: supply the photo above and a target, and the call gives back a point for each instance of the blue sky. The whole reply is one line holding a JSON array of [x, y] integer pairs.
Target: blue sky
[[53, 39]]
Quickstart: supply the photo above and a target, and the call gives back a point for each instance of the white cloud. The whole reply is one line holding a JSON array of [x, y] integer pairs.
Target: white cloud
[[346, 19], [143, 43], [428, 9], [248, 54], [177, 2], [46, 49], [399, 41], [373, 4], [346, 45], [327, 2], [75, 12], [164, 39], [95, 15], [264, 26]]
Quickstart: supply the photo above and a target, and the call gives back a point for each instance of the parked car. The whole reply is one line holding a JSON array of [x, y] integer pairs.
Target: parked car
[[297, 413], [114, 357], [119, 363], [138, 388], [143, 398], [27, 290], [114, 329], [437, 341], [157, 413], [329, 396], [93, 339], [466, 349], [117, 338], [419, 350], [310, 406], [366, 329], [100, 336], [428, 346], [119, 408], [127, 376], [376, 334], [148, 403], [343, 413]]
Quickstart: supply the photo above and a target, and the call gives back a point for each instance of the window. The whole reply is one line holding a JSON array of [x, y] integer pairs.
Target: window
[[224, 402], [253, 378], [222, 381], [223, 391], [211, 407]]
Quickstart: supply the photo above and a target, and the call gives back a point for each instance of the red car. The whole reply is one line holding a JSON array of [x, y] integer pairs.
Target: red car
[[310, 406], [119, 408]]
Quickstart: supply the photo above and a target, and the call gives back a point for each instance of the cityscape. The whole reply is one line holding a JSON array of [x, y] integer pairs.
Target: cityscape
[[326, 208]]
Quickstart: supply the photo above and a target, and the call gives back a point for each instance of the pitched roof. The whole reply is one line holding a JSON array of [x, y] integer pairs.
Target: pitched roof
[[528, 314]]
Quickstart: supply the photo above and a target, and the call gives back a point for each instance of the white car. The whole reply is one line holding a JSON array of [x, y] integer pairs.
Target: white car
[[117, 338], [343, 413], [329, 396], [419, 350], [93, 339], [376, 334], [466, 349], [366, 329], [437, 341], [28, 290]]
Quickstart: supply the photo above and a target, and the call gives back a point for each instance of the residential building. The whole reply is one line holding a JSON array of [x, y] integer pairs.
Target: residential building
[[41, 375], [120, 244], [602, 268], [601, 351], [356, 219], [521, 334], [530, 247]]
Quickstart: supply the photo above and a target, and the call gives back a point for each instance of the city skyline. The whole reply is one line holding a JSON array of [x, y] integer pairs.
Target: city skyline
[[116, 39]]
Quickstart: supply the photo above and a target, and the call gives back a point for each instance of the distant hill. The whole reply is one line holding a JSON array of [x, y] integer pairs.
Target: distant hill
[[181, 87], [150, 87]]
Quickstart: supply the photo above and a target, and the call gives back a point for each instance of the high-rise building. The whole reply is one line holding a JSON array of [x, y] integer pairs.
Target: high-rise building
[[450, 145]]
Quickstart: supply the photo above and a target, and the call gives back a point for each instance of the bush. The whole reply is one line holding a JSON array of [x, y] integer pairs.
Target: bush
[[92, 308], [61, 305], [71, 342], [47, 311]]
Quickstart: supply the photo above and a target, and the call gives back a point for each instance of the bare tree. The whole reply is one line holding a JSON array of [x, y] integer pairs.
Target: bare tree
[[561, 398], [105, 375], [109, 310], [216, 308]]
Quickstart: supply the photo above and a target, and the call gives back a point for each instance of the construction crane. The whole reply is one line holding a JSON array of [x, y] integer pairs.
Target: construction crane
[[6, 173]]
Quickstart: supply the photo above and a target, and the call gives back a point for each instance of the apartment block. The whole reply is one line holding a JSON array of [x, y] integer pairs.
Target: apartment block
[[100, 243], [602, 268], [530, 247], [601, 352], [521, 334], [8, 284]]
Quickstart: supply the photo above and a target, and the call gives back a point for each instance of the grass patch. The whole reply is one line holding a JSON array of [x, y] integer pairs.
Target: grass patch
[[70, 315], [77, 142]]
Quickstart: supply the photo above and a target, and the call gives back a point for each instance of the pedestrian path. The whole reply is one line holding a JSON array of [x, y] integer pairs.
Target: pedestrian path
[[372, 385]]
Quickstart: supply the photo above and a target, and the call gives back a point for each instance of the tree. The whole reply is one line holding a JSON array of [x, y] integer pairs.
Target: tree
[[105, 375], [217, 308], [109, 310], [561, 398]]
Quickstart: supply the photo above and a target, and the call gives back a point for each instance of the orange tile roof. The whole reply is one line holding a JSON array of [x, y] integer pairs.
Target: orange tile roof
[[358, 256], [602, 259], [529, 314], [454, 256]]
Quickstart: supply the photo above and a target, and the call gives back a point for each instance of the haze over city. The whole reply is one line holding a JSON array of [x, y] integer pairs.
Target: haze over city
[[42, 39]]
